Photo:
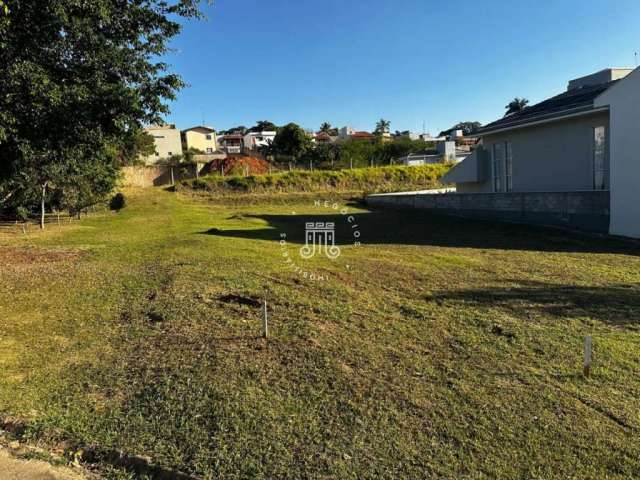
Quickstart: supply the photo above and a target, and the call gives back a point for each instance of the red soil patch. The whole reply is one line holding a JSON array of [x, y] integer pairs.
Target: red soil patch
[[241, 165]]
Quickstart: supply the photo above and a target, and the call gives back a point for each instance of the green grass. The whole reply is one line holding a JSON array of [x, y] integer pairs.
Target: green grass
[[438, 348], [380, 179]]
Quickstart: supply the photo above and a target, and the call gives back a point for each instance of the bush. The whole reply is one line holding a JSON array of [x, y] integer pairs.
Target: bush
[[22, 214], [118, 202]]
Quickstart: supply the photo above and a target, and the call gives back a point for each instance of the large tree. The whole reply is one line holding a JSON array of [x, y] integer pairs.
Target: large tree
[[292, 141], [78, 81]]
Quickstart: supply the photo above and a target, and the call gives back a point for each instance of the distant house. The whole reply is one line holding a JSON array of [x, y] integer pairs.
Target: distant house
[[231, 143], [323, 137], [346, 133], [254, 140], [444, 151], [200, 138], [167, 143], [583, 141], [362, 136]]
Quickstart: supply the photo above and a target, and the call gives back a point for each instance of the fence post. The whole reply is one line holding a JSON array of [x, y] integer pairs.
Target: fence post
[[265, 321], [587, 356]]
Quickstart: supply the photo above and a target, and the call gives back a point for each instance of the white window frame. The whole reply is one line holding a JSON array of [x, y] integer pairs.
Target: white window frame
[[497, 168], [502, 168], [599, 170], [508, 167]]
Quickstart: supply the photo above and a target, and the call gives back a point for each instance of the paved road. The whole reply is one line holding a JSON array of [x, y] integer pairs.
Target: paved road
[[13, 469]]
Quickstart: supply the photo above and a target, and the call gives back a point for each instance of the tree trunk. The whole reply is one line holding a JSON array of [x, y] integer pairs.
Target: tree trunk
[[42, 205], [172, 180]]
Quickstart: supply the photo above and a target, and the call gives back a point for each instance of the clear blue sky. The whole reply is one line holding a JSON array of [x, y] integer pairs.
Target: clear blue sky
[[351, 62]]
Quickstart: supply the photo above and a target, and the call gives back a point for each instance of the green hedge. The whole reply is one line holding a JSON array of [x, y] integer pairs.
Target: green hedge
[[380, 179]]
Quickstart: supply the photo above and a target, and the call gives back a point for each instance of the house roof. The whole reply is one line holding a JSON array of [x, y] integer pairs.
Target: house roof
[[200, 128], [362, 135], [572, 101]]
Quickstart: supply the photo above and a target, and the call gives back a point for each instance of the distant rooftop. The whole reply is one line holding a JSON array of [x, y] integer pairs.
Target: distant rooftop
[[600, 78], [200, 128]]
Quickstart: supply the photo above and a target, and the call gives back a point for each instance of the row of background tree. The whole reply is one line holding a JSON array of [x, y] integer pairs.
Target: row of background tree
[[294, 146]]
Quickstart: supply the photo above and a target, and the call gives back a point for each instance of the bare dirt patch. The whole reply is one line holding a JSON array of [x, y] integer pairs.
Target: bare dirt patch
[[30, 256]]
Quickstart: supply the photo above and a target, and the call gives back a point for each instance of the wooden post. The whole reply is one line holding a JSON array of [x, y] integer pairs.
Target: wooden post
[[42, 205], [587, 356], [265, 321]]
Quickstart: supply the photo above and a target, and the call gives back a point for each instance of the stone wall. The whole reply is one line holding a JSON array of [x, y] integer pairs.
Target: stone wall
[[588, 211]]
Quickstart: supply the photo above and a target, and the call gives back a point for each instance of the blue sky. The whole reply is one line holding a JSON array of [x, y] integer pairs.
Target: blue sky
[[351, 62]]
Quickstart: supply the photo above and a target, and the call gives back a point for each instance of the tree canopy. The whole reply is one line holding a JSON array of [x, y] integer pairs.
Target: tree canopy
[[292, 141], [383, 126], [325, 128], [78, 82], [264, 126], [466, 127], [516, 105]]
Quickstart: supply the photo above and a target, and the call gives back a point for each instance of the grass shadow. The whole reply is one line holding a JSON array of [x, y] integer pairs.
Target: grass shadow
[[386, 227], [615, 304]]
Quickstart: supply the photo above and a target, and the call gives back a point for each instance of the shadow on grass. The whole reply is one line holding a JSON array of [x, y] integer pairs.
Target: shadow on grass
[[387, 227], [615, 304]]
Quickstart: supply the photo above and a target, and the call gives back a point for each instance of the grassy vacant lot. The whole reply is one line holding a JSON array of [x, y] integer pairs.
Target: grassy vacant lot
[[439, 348]]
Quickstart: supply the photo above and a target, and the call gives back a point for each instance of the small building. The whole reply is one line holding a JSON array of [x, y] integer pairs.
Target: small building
[[254, 140], [167, 141], [345, 132], [363, 136], [444, 151], [231, 143], [200, 138], [323, 137]]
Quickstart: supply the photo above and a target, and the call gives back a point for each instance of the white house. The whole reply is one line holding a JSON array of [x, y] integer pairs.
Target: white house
[[255, 140]]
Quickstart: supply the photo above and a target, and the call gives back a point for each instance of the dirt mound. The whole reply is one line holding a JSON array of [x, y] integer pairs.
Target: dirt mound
[[241, 165]]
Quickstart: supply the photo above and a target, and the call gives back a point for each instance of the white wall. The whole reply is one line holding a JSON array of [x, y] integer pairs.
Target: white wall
[[624, 101]]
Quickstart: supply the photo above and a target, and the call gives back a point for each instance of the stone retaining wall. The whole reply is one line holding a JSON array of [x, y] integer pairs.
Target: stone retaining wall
[[587, 210]]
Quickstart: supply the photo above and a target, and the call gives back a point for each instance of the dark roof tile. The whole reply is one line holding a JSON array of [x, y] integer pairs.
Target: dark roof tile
[[563, 103]]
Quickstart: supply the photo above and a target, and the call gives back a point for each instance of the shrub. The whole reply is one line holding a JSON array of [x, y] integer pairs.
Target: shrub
[[118, 202], [22, 214]]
